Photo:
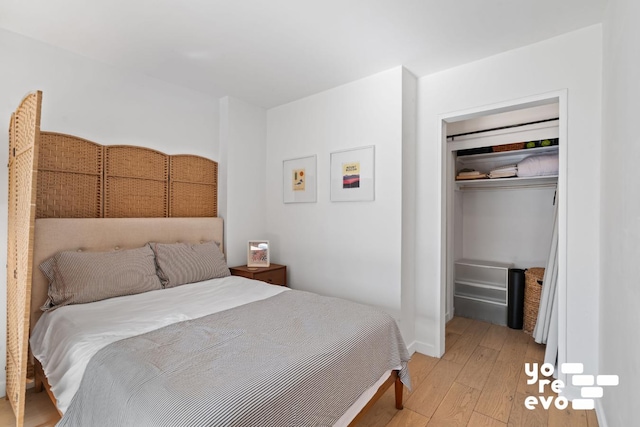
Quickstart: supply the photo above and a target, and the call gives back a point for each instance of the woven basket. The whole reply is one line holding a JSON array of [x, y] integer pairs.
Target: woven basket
[[508, 147], [532, 290]]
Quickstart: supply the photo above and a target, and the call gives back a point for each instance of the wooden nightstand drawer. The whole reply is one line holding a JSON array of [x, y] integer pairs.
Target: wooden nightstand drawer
[[275, 274], [275, 277]]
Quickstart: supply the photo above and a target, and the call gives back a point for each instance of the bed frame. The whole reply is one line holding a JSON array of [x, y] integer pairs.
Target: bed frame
[[44, 219], [104, 234]]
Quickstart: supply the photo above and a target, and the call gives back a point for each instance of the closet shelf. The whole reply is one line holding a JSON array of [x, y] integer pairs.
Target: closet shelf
[[489, 161], [512, 156], [515, 182]]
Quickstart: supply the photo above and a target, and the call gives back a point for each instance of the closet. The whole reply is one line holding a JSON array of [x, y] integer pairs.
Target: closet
[[497, 223]]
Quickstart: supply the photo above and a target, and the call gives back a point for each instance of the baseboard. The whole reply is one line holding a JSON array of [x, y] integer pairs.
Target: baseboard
[[448, 316], [423, 348], [411, 347], [602, 419]]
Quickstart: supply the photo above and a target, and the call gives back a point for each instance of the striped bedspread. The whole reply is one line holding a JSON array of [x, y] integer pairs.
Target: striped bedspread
[[294, 359]]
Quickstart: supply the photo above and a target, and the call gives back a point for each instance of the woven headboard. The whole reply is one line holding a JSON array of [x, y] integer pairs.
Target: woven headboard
[[78, 178]]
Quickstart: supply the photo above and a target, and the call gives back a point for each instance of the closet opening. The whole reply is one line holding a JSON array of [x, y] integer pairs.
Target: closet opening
[[504, 170]]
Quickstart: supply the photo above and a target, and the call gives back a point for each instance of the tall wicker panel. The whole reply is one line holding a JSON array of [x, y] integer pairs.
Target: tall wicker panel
[[23, 144], [136, 182], [69, 177], [193, 183], [533, 278]]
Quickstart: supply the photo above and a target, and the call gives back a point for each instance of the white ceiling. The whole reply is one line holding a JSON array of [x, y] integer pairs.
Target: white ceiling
[[269, 52]]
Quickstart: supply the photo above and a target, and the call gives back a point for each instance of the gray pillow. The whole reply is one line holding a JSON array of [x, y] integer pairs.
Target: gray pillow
[[182, 263], [82, 277]]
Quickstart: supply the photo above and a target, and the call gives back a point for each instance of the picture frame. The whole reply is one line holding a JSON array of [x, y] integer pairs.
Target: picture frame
[[258, 253], [299, 180], [353, 175]]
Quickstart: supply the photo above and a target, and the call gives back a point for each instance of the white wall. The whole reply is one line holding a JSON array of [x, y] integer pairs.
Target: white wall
[[409, 256], [241, 187], [344, 249], [571, 61], [513, 226], [104, 104], [620, 226]]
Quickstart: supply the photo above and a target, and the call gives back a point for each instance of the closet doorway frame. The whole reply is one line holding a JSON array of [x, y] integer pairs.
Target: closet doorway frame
[[447, 200]]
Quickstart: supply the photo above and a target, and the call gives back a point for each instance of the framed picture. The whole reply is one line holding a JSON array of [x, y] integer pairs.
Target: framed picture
[[353, 175], [299, 180], [258, 253]]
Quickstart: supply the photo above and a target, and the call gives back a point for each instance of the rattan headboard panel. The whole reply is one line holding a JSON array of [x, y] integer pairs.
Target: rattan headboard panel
[[104, 234], [193, 183], [136, 182], [78, 178], [69, 177]]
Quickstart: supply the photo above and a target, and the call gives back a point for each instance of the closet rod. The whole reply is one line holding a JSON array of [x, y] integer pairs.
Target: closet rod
[[501, 127]]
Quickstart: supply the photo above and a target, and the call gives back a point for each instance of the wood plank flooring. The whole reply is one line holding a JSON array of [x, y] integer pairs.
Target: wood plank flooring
[[479, 382]]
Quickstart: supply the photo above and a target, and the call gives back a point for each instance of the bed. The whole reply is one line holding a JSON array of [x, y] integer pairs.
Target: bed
[[224, 351], [268, 385]]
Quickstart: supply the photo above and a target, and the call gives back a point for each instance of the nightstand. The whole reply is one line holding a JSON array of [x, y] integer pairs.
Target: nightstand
[[275, 274]]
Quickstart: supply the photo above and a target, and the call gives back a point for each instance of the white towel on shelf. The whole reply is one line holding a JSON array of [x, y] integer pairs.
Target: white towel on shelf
[[504, 171], [540, 165], [502, 174]]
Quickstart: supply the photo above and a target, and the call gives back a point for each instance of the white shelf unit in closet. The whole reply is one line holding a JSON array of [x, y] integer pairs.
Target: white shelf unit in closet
[[488, 161], [481, 289]]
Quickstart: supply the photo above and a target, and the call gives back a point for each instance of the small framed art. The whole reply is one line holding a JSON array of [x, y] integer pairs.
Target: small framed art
[[258, 253], [299, 180], [353, 175]]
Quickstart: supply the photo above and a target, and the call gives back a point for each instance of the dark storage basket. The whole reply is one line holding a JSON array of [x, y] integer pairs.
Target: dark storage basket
[[533, 278]]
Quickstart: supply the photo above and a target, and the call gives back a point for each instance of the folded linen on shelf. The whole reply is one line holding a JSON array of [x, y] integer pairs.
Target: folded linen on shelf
[[470, 174], [539, 165], [504, 171], [502, 175], [478, 176], [464, 172]]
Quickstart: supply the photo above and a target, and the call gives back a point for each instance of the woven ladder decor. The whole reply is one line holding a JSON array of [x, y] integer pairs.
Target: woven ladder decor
[[24, 134]]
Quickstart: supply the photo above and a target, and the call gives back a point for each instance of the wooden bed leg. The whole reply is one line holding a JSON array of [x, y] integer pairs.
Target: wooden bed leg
[[399, 388], [38, 374]]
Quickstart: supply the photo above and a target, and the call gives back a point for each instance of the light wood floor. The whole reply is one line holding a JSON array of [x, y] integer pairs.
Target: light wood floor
[[480, 381]]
